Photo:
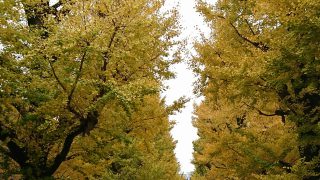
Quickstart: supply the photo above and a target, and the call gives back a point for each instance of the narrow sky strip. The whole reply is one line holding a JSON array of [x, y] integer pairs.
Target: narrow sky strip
[[182, 85]]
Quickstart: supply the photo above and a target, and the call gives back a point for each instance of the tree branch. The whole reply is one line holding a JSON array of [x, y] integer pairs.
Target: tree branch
[[57, 5], [264, 114], [56, 77], [253, 33], [79, 73], [222, 166], [65, 149], [75, 83], [64, 89], [258, 45], [72, 156], [278, 112], [106, 54], [17, 154]]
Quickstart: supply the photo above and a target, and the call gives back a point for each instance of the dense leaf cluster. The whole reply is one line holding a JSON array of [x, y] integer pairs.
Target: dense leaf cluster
[[79, 89], [260, 78]]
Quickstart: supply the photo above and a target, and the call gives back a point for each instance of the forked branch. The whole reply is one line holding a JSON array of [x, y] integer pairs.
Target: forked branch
[[263, 47]]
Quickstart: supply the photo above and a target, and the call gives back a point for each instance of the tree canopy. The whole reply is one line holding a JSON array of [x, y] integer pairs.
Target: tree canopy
[[80, 85], [259, 73], [76, 68]]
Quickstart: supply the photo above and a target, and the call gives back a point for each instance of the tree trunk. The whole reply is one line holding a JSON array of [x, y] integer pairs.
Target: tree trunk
[[35, 173]]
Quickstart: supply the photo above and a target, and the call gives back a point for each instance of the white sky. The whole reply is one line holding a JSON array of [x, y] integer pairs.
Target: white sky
[[183, 131]]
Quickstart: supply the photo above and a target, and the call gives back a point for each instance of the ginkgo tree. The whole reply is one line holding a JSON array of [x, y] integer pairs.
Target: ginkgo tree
[[63, 64], [242, 144], [262, 58], [136, 147]]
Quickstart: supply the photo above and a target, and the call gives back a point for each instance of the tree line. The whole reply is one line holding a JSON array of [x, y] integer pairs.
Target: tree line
[[259, 73], [80, 85]]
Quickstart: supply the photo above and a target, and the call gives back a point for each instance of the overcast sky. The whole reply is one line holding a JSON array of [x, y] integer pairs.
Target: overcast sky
[[183, 131]]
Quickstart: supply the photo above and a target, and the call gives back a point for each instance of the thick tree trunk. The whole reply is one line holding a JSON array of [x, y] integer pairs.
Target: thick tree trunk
[[41, 169]]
